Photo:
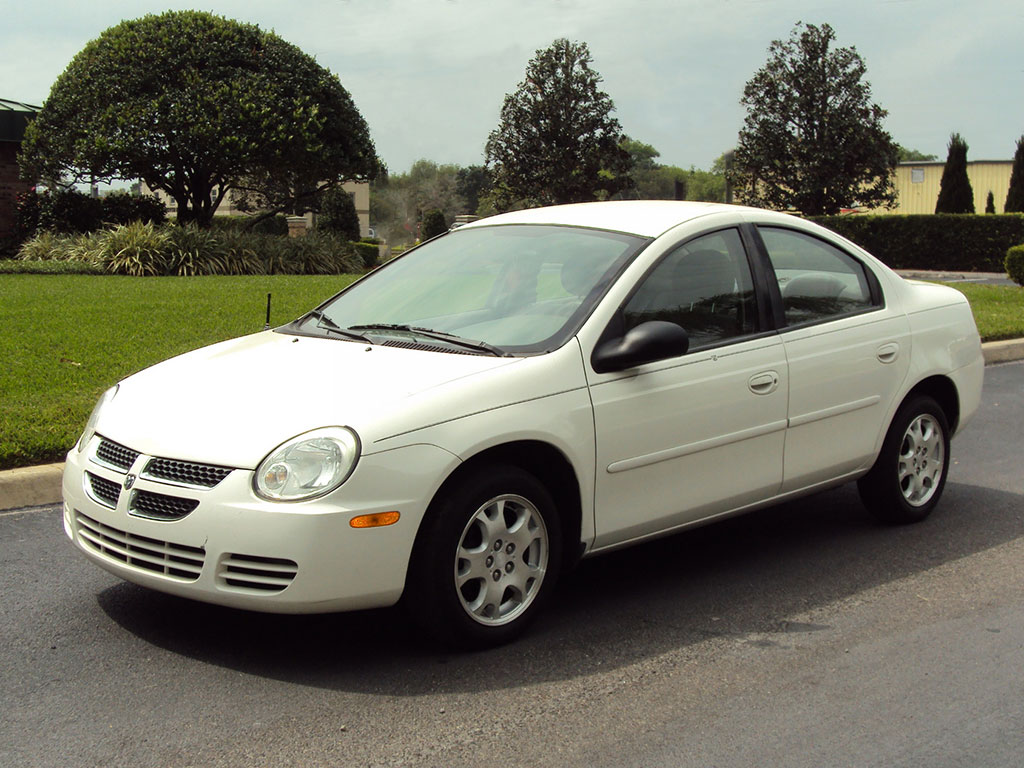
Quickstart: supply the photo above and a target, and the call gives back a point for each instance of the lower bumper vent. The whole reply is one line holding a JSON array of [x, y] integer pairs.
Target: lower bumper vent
[[251, 573], [178, 561]]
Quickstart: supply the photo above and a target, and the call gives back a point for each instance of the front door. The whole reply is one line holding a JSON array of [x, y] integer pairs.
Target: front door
[[691, 437]]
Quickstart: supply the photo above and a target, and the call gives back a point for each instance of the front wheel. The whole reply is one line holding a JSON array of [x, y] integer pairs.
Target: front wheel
[[909, 475], [486, 559]]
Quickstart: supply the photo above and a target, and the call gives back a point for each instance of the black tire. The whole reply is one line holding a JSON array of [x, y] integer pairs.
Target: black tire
[[486, 559], [909, 475]]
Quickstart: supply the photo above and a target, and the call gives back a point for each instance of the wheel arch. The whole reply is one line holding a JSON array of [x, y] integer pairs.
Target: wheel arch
[[944, 392], [550, 466]]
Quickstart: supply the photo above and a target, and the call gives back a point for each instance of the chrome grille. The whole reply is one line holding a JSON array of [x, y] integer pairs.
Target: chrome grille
[[248, 573], [185, 472], [157, 506], [115, 454], [106, 492], [177, 561]]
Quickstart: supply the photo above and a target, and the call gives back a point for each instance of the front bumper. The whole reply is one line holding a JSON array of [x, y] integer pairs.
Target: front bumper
[[238, 550]]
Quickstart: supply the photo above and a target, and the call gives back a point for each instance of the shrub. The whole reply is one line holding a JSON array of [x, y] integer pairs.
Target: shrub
[[193, 250], [272, 225], [44, 246], [933, 241], [367, 254], [241, 252], [433, 225], [135, 249], [69, 211], [338, 214], [123, 208], [1014, 264]]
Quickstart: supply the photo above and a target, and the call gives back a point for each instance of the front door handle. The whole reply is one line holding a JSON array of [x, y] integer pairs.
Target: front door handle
[[763, 383]]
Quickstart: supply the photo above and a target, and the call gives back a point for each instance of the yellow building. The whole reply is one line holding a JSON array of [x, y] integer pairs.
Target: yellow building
[[917, 185]]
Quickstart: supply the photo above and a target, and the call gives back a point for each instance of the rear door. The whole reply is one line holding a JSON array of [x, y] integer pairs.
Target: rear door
[[847, 350]]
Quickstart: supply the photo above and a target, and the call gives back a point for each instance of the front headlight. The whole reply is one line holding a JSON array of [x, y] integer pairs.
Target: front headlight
[[94, 417], [307, 466]]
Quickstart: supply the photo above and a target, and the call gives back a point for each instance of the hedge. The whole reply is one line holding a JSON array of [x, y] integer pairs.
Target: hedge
[[38, 267], [957, 242]]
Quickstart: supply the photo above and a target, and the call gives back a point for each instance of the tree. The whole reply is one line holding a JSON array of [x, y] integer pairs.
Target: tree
[[471, 184], [912, 155], [990, 203], [641, 156], [955, 192], [433, 225], [398, 202], [1015, 195], [812, 139], [557, 141], [199, 106], [338, 214]]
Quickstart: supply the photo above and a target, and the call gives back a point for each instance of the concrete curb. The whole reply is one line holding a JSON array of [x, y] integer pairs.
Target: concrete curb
[[30, 486], [1005, 351], [36, 486]]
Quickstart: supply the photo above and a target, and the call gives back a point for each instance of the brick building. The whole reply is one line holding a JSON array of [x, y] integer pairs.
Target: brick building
[[14, 116]]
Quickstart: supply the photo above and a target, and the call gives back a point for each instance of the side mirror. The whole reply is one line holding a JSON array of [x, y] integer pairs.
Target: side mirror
[[646, 343]]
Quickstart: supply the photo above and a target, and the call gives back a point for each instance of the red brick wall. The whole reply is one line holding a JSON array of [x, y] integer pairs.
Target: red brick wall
[[10, 186]]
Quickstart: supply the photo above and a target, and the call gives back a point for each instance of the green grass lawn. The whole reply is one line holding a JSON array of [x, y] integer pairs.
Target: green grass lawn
[[66, 338]]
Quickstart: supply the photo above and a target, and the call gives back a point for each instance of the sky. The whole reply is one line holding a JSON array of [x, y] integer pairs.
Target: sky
[[429, 76]]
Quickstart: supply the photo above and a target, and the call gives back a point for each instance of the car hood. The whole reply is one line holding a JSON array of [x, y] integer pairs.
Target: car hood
[[231, 403]]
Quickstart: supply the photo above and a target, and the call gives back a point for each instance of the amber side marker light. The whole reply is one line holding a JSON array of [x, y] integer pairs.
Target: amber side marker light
[[376, 520]]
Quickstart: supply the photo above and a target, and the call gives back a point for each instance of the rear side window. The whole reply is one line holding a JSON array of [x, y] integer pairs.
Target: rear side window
[[817, 280], [704, 286]]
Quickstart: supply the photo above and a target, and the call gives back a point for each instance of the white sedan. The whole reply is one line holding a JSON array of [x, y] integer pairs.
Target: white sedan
[[464, 423]]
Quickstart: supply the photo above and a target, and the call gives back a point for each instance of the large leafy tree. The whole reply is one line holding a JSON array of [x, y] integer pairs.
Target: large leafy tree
[[1015, 195], [199, 106], [812, 139], [955, 192], [557, 141]]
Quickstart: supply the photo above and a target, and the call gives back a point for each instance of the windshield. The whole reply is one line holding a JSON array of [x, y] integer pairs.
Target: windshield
[[515, 288]]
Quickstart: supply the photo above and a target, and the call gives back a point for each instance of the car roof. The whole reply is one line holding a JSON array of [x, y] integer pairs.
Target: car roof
[[647, 218]]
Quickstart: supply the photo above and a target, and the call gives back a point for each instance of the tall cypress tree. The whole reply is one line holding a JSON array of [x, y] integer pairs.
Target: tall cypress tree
[[955, 193], [1015, 197]]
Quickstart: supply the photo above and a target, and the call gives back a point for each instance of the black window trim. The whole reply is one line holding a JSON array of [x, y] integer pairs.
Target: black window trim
[[771, 284], [765, 326]]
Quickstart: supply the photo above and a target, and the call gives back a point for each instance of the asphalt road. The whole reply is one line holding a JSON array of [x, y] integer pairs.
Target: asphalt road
[[805, 635]]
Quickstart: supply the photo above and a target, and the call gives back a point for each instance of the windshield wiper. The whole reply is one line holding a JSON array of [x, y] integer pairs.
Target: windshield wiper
[[324, 323], [451, 338]]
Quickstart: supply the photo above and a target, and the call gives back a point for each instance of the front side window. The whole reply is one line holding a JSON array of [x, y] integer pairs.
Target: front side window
[[817, 280], [514, 288], [703, 286]]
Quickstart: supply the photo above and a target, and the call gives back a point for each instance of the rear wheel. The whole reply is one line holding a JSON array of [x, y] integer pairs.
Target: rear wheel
[[486, 559], [909, 475]]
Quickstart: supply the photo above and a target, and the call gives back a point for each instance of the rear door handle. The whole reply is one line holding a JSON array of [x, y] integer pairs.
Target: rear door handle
[[763, 383], [887, 353]]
